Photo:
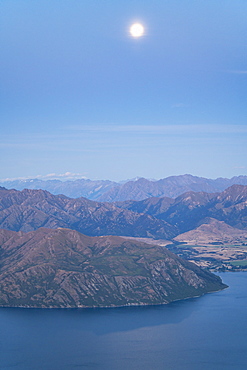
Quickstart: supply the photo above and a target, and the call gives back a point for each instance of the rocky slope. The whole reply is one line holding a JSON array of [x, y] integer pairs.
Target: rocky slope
[[212, 231], [63, 268], [187, 211], [153, 206], [28, 210], [160, 218]]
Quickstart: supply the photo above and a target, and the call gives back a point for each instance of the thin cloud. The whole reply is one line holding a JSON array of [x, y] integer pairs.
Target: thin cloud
[[180, 105], [49, 176], [165, 129], [238, 72], [67, 175], [239, 167]]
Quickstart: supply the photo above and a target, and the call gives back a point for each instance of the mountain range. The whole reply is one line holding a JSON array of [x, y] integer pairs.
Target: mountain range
[[29, 210], [188, 210], [47, 261], [160, 218], [137, 189], [62, 268]]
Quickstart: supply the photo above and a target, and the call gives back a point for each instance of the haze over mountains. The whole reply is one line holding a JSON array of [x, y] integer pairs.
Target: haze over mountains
[[138, 189], [71, 188], [170, 187]]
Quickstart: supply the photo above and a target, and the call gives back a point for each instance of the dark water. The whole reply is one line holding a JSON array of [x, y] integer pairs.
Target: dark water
[[208, 333]]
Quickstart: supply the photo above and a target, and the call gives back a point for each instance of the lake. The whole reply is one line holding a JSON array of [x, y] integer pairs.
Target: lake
[[208, 333]]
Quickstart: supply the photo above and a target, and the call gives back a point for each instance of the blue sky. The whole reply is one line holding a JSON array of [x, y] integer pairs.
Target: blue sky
[[80, 95]]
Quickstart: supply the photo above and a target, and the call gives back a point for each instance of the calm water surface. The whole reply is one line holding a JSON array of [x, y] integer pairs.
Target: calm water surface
[[208, 333]]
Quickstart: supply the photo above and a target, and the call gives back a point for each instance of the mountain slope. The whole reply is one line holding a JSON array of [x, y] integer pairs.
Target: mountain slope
[[212, 231], [160, 218], [152, 206], [28, 210], [229, 206], [188, 210], [63, 268]]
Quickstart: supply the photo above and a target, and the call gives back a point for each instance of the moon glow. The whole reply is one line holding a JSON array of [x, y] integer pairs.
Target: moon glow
[[136, 30]]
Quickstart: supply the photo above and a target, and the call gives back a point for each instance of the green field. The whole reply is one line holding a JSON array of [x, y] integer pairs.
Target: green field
[[239, 263], [212, 246]]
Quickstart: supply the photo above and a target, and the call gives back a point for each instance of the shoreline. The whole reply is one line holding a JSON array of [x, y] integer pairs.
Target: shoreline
[[118, 306]]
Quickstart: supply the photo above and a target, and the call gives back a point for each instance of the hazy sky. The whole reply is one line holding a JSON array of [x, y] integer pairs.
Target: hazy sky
[[80, 95]]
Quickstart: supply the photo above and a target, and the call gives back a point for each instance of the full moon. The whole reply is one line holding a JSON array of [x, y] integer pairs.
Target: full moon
[[137, 30]]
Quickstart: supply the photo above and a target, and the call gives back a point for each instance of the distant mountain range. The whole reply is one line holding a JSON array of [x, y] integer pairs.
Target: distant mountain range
[[72, 188], [138, 189], [170, 187], [63, 268]]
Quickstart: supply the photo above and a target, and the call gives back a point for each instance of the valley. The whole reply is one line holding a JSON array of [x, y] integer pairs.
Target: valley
[[214, 257]]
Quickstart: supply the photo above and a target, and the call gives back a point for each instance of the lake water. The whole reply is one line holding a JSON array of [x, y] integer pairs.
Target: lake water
[[208, 333]]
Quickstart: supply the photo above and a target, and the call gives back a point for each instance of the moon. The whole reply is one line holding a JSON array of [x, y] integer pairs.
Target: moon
[[137, 30]]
